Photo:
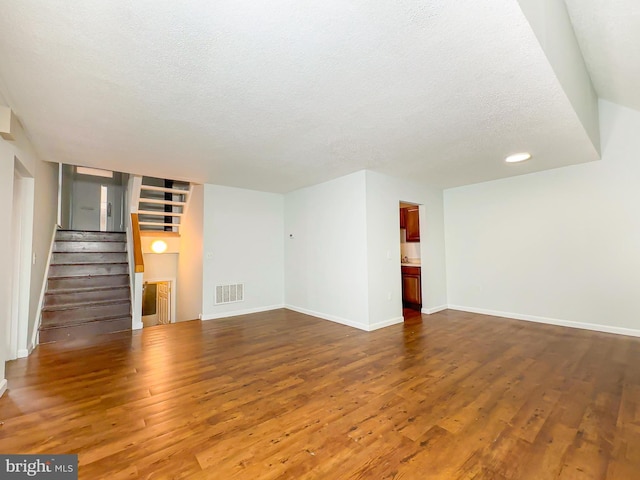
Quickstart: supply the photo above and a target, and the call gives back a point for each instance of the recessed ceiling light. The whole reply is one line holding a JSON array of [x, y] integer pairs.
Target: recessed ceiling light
[[518, 157]]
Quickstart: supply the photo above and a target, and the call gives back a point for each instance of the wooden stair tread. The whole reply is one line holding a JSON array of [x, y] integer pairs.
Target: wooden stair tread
[[85, 289], [158, 233], [120, 238], [92, 263], [88, 263], [89, 247], [75, 323], [175, 191], [75, 277], [159, 213], [77, 236], [75, 306], [158, 201]]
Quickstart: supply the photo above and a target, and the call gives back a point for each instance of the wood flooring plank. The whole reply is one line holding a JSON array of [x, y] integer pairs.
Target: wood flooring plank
[[281, 395]]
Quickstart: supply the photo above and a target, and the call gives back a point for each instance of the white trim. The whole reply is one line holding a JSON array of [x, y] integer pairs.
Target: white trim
[[26, 237], [24, 353], [385, 323], [59, 216], [136, 300], [3, 386], [551, 321], [432, 310], [17, 252], [331, 318], [235, 313], [348, 323], [22, 223], [36, 324]]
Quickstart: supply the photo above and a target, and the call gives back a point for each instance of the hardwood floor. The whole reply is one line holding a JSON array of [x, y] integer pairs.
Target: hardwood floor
[[284, 395]]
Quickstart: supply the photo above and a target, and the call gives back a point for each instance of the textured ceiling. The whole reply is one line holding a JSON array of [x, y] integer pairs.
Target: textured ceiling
[[281, 94], [608, 32]]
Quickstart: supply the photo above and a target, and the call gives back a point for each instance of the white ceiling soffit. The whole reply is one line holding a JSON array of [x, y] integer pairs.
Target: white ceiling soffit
[[281, 94], [609, 35]]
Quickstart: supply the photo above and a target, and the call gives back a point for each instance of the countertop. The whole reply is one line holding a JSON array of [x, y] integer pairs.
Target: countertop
[[411, 264]]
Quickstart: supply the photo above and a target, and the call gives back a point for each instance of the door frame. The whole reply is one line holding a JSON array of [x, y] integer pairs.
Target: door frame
[[172, 285], [22, 235], [421, 221]]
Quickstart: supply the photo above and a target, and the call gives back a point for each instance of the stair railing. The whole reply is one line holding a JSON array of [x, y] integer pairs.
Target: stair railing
[[138, 258]]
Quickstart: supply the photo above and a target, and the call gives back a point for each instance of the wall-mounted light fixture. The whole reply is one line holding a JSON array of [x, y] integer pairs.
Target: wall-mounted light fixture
[[159, 246]]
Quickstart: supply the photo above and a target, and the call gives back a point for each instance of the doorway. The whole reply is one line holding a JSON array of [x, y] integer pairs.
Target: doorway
[[411, 258], [157, 303]]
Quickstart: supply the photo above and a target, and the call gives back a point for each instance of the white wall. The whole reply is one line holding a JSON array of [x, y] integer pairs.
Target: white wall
[[189, 302], [160, 266], [40, 212], [326, 260], [45, 212], [560, 246], [384, 194], [242, 243]]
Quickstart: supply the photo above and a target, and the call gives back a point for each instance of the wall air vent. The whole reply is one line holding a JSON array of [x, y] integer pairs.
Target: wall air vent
[[231, 293]]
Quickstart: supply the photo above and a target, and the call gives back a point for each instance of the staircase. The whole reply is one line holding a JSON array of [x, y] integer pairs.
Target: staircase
[[88, 286], [162, 204]]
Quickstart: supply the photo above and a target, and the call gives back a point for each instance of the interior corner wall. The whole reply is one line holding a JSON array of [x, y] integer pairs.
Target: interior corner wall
[[559, 246], [242, 243], [326, 250], [189, 294], [384, 194]]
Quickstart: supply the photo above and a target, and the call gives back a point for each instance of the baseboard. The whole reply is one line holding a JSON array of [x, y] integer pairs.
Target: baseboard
[[23, 353], [386, 323], [3, 386], [235, 313], [551, 321], [432, 310], [331, 318]]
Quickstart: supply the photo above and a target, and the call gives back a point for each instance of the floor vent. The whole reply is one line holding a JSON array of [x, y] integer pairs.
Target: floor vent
[[229, 293]]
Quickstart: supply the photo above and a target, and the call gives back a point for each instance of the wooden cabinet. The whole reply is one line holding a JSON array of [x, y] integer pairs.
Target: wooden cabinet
[[403, 218], [412, 222], [411, 286]]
